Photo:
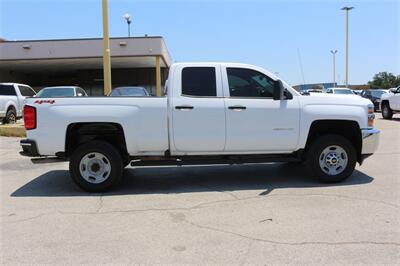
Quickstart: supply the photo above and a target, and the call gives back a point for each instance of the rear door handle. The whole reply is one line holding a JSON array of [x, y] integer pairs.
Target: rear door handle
[[184, 107], [237, 107]]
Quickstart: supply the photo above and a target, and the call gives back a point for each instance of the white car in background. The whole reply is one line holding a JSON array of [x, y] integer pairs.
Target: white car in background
[[12, 96], [390, 103], [339, 91]]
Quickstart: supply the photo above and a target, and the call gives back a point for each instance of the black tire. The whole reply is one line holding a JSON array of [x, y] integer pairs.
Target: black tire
[[387, 112], [114, 161], [315, 154], [11, 116]]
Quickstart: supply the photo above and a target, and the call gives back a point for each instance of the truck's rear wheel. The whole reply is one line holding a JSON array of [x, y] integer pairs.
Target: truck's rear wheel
[[387, 113], [331, 158], [96, 166]]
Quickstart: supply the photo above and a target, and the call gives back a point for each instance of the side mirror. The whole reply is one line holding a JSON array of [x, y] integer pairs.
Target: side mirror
[[79, 94], [278, 92]]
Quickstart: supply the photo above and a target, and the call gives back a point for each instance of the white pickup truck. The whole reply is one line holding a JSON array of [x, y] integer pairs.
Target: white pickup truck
[[12, 96], [213, 113], [390, 103]]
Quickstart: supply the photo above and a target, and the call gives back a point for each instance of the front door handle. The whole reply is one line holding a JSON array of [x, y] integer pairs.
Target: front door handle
[[184, 107], [237, 107]]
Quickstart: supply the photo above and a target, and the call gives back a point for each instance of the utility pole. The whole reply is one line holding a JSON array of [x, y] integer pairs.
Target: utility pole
[[334, 66], [106, 51], [347, 9]]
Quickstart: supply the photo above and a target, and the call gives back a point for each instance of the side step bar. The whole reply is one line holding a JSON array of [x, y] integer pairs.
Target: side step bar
[[204, 160]]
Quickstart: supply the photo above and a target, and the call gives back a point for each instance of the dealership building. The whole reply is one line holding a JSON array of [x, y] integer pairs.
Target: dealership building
[[137, 61]]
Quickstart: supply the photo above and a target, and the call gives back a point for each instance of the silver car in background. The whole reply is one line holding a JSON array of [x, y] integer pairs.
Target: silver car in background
[[129, 91], [61, 91]]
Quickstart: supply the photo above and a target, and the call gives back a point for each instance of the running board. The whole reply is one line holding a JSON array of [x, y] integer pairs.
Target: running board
[[208, 161], [41, 160]]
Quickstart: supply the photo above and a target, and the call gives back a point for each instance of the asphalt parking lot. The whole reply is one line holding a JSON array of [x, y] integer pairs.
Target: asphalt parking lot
[[242, 214]]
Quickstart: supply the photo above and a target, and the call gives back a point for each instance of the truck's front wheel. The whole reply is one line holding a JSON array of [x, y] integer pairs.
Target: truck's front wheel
[[331, 158], [96, 166]]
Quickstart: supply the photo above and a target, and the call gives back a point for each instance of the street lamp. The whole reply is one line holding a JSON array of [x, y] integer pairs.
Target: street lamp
[[334, 66], [347, 9], [127, 17]]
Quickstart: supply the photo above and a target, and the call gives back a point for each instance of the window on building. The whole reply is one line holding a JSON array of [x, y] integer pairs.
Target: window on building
[[250, 83], [199, 81]]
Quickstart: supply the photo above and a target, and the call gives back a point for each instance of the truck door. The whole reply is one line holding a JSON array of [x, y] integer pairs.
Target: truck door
[[255, 122], [198, 110]]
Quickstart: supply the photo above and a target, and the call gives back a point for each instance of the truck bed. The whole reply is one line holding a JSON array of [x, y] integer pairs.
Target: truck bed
[[143, 119]]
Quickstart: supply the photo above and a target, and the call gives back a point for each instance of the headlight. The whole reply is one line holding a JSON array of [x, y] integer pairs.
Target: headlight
[[371, 116]]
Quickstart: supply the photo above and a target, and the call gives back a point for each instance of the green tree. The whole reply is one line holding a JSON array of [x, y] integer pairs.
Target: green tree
[[384, 80]]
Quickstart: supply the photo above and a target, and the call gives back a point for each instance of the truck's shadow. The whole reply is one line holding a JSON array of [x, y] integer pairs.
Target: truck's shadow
[[265, 177]]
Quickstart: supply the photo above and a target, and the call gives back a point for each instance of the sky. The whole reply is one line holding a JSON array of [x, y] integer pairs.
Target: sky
[[290, 38]]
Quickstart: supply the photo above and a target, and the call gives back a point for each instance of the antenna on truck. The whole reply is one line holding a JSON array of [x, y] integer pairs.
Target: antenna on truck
[[301, 65]]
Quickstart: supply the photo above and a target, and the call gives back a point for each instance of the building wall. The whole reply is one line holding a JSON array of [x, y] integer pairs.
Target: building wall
[[83, 48]]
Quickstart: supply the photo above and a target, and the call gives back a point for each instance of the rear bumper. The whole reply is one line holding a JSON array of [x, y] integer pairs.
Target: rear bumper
[[370, 140], [29, 148]]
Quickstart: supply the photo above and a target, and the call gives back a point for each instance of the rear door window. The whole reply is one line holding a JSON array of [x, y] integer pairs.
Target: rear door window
[[26, 91], [81, 91], [199, 81], [7, 90]]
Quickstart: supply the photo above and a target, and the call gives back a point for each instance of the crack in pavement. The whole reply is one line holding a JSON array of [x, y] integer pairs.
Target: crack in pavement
[[290, 243], [221, 191], [200, 205]]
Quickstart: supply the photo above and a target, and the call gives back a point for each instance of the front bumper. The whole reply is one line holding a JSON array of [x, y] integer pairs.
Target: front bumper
[[29, 148], [370, 140]]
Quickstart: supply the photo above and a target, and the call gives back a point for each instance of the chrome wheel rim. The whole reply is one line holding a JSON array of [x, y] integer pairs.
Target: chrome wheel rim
[[95, 167], [333, 160]]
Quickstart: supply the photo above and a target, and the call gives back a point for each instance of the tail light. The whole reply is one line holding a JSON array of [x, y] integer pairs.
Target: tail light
[[371, 116], [29, 117]]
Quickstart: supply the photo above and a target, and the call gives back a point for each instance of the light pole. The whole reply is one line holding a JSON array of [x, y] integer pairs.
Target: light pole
[[127, 17], [334, 66], [106, 50], [347, 9]]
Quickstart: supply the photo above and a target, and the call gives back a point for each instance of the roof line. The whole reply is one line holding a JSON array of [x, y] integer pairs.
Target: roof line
[[83, 39]]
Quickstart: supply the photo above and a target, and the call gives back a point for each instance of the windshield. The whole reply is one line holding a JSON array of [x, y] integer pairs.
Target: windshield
[[129, 91], [343, 91], [56, 92]]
